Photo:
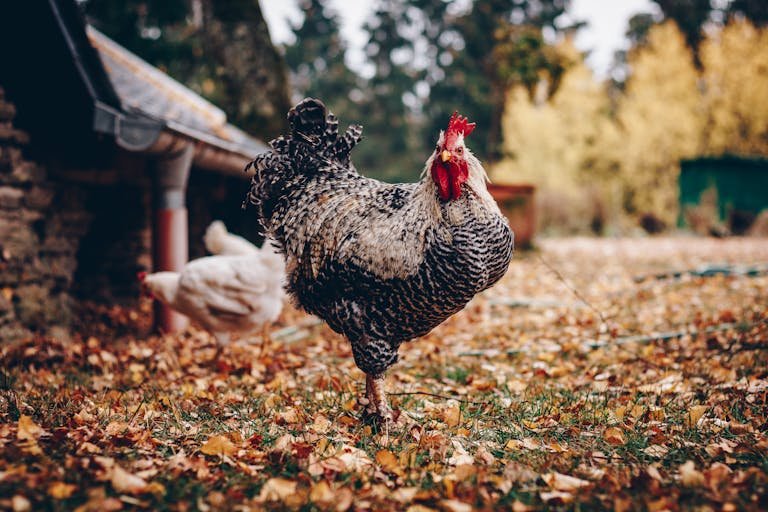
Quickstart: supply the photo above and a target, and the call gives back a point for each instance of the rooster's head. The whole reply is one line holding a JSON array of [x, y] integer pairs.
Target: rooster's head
[[449, 164]]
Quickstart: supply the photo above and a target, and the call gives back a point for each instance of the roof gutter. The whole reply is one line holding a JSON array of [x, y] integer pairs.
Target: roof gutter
[[140, 133]]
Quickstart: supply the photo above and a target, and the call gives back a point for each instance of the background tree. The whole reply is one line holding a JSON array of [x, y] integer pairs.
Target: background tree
[[689, 15], [319, 69], [481, 53], [692, 16], [316, 58], [248, 75], [585, 145], [386, 113], [660, 119], [756, 11], [156, 30], [735, 78], [638, 27], [427, 58], [561, 143]]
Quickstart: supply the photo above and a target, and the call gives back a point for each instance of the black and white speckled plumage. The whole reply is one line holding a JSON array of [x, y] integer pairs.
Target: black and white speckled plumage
[[381, 263]]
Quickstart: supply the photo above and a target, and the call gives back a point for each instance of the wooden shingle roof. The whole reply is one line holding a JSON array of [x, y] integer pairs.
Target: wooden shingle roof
[[142, 88]]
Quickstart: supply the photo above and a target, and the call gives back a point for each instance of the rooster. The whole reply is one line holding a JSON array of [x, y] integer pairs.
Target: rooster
[[380, 263], [238, 290]]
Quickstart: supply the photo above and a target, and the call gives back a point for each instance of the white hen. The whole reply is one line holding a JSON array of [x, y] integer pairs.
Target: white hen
[[238, 291], [220, 241]]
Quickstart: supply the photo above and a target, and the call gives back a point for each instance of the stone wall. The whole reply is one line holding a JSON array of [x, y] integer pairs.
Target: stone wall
[[64, 238], [40, 228], [117, 244]]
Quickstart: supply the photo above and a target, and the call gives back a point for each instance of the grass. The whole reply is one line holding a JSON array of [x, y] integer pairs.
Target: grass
[[570, 420]]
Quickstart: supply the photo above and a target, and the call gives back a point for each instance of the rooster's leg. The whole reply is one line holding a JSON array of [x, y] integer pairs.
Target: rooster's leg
[[374, 356], [376, 398], [266, 339], [222, 340]]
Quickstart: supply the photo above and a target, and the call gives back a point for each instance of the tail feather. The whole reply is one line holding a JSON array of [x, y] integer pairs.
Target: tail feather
[[314, 140], [313, 145], [343, 146], [331, 128], [308, 118], [279, 144]]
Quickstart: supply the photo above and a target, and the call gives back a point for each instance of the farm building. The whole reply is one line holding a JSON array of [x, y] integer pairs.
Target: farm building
[[107, 167], [732, 189]]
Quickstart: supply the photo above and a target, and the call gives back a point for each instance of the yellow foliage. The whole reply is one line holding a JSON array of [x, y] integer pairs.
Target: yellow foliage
[[554, 142], [661, 120], [590, 156], [546, 140], [735, 77]]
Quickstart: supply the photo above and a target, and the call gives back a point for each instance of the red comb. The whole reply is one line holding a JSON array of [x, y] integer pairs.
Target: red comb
[[458, 124]]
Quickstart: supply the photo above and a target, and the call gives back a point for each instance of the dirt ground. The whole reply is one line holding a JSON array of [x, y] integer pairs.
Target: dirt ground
[[598, 374]]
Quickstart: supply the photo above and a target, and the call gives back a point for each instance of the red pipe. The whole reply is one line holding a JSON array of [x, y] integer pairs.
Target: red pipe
[[170, 253], [170, 233]]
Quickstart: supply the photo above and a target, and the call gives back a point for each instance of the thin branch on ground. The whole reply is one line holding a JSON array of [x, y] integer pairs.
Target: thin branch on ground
[[572, 289], [437, 395]]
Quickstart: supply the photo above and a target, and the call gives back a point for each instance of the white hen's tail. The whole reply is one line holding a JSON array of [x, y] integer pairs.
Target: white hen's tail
[[220, 241]]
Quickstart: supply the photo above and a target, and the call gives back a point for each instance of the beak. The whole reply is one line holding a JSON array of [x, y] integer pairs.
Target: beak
[[445, 155]]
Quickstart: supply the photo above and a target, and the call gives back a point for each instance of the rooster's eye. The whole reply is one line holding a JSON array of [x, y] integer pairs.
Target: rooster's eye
[[460, 150]]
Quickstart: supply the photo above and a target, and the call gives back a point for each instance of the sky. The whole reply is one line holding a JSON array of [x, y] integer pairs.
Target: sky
[[601, 38]]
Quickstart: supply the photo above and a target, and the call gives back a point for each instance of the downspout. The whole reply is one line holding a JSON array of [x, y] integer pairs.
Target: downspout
[[170, 249]]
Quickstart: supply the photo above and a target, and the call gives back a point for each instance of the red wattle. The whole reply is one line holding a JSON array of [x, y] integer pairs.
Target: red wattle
[[440, 175], [449, 178]]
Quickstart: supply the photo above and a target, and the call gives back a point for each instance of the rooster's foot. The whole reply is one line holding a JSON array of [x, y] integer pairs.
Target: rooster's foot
[[376, 409]]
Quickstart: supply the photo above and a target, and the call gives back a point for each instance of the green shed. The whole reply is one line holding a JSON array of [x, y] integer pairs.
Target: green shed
[[740, 185]]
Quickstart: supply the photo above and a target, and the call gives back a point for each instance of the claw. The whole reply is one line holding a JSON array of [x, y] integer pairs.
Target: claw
[[377, 410]]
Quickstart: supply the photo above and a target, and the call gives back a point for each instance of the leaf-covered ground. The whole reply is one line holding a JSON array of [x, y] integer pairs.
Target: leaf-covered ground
[[599, 374]]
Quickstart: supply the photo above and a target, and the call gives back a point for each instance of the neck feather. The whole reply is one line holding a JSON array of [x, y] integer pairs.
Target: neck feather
[[476, 183]]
